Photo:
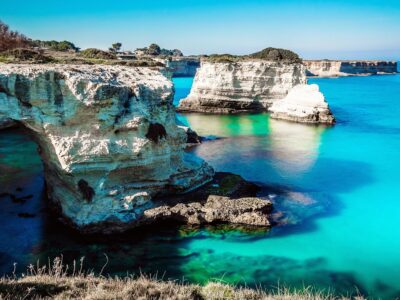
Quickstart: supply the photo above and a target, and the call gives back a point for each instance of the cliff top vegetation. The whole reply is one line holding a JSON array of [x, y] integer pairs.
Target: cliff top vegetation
[[267, 54]]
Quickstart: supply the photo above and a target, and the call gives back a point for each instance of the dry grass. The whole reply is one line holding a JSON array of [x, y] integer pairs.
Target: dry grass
[[56, 281]]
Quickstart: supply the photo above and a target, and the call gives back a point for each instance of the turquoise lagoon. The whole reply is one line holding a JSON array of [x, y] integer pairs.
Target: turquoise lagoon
[[338, 188]]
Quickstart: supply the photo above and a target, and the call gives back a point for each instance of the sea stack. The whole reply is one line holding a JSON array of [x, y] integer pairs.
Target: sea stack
[[304, 104], [107, 136], [226, 84]]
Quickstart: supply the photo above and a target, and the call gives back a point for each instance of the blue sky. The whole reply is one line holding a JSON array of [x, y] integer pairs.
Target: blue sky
[[368, 29]]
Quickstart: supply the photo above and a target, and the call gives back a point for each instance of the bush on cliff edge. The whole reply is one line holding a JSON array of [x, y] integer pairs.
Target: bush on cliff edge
[[97, 53]]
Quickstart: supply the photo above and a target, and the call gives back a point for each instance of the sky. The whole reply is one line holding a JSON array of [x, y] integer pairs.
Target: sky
[[352, 29]]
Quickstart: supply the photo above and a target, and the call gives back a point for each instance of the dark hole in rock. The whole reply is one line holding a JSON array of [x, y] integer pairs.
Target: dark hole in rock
[[156, 132], [26, 215], [86, 190]]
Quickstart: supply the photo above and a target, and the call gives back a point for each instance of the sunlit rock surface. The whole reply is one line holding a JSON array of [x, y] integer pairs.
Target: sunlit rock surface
[[336, 68], [234, 87], [304, 104], [107, 136]]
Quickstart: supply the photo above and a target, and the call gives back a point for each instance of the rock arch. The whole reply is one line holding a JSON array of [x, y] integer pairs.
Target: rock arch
[[92, 125]]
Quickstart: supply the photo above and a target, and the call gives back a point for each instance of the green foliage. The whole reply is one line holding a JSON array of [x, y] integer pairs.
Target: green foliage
[[277, 54], [24, 55], [97, 53], [62, 46], [268, 54], [154, 49], [223, 58], [117, 46]]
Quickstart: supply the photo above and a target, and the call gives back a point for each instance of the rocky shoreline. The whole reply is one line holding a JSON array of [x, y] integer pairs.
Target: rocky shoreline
[[227, 199]]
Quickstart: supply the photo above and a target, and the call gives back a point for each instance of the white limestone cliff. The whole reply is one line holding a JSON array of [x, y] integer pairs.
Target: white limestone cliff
[[304, 104], [257, 85], [107, 137], [182, 66], [234, 87], [338, 68]]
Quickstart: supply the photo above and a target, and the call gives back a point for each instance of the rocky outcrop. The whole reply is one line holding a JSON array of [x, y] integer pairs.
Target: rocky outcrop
[[107, 137], [234, 87], [183, 66], [304, 104], [228, 198], [217, 209], [192, 137], [336, 68]]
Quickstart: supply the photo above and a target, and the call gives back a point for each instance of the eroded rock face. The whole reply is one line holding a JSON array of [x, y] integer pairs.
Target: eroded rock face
[[337, 68], [107, 136], [304, 104], [234, 87], [183, 66]]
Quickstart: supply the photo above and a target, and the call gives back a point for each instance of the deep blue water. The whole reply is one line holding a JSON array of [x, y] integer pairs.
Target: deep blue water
[[338, 189]]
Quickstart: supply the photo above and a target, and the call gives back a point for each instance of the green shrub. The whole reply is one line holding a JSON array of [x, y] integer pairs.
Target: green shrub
[[25, 55], [223, 58], [268, 54], [97, 53], [277, 54], [62, 46]]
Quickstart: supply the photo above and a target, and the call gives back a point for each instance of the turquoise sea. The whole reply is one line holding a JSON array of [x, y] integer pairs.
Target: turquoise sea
[[338, 189]]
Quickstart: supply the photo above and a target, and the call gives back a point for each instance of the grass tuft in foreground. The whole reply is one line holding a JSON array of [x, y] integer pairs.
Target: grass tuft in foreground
[[56, 281]]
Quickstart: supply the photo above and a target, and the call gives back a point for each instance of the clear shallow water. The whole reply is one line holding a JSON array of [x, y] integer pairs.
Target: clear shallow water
[[338, 188]]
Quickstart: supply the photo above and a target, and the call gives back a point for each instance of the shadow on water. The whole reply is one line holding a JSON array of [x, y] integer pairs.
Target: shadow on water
[[269, 272]]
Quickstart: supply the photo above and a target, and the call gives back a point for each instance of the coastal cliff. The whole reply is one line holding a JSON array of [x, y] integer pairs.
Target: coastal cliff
[[107, 136], [272, 80], [337, 68], [183, 66], [234, 87]]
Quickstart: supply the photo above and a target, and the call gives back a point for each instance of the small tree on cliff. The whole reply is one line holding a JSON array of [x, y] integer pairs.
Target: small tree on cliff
[[154, 49], [115, 47]]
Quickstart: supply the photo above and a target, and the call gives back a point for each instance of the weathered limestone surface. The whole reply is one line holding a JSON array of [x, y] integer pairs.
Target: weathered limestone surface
[[107, 136], [234, 87], [217, 209], [337, 68], [305, 104]]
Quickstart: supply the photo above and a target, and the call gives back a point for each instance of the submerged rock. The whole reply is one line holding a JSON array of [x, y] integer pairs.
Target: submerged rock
[[107, 136], [305, 104]]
